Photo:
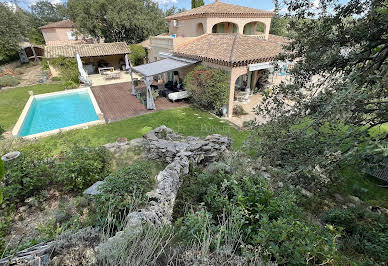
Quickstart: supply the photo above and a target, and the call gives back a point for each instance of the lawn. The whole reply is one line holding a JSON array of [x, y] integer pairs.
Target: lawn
[[12, 101], [185, 120]]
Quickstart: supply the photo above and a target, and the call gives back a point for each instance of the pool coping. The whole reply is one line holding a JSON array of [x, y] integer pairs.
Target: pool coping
[[26, 108]]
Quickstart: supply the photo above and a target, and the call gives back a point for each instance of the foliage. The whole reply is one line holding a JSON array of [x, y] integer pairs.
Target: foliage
[[291, 242], [82, 167], [337, 93], [122, 192], [137, 55], [1, 179], [208, 87], [8, 81], [27, 175], [44, 64], [130, 21], [272, 224], [279, 23], [34, 170], [197, 3], [364, 233], [47, 12], [69, 71], [11, 31]]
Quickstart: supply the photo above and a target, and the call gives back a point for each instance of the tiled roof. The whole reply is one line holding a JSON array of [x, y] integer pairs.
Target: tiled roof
[[219, 9], [62, 42], [232, 49], [87, 50], [60, 24]]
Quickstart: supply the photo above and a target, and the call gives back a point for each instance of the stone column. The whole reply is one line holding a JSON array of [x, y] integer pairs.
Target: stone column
[[266, 30], [232, 85]]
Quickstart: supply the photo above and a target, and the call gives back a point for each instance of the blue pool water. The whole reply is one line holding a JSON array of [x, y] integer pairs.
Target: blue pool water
[[58, 111]]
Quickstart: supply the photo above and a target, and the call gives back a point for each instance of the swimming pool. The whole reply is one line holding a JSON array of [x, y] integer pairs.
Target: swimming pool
[[50, 113]]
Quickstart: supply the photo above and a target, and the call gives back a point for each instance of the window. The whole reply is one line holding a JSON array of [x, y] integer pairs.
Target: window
[[71, 36]]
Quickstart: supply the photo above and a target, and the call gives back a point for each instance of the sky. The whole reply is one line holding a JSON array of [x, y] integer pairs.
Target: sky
[[260, 4]]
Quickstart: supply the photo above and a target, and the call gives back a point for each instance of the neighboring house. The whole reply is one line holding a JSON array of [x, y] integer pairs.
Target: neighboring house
[[223, 36], [93, 55], [62, 33], [62, 41]]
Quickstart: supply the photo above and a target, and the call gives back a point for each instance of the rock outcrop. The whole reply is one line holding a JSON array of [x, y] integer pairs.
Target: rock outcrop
[[165, 145]]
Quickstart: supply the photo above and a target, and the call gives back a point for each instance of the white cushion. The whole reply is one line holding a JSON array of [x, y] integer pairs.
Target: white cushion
[[178, 95]]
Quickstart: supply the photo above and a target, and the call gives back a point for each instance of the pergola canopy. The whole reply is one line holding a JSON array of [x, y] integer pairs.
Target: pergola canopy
[[162, 66]]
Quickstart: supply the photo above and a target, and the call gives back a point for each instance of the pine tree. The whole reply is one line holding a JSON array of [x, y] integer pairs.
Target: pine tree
[[197, 3]]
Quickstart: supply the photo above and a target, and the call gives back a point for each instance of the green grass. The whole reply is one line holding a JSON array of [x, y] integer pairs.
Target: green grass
[[12, 101], [186, 121], [365, 187]]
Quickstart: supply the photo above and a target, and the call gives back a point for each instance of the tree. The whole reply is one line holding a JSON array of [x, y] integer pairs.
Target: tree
[[131, 21], [323, 118], [279, 23], [197, 3], [12, 31], [47, 12]]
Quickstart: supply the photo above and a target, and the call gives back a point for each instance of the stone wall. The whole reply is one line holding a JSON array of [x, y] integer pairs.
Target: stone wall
[[165, 145]]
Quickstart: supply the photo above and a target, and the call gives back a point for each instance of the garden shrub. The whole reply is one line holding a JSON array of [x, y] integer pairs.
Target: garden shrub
[[45, 65], [364, 233], [208, 87], [35, 170], [123, 191], [137, 55], [69, 70], [82, 167], [8, 81], [291, 242], [25, 176], [260, 210]]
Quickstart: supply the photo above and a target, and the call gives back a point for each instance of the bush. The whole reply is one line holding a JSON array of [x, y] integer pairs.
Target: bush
[[8, 81], [122, 192], [260, 210], [208, 87], [45, 65], [137, 55], [25, 176], [82, 167], [365, 233], [35, 171], [69, 70], [291, 242]]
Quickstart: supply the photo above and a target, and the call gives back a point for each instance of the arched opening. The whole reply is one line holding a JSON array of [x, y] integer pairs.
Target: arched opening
[[225, 27], [254, 28], [200, 29]]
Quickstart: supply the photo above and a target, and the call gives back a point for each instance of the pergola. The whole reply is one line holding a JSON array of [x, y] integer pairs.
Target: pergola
[[148, 71]]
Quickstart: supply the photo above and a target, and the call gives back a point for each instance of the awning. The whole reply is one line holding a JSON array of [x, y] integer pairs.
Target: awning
[[260, 66], [162, 66]]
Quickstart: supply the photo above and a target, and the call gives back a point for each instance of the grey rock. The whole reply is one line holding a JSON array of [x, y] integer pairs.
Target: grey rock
[[93, 189], [355, 200], [351, 205], [338, 197], [305, 192]]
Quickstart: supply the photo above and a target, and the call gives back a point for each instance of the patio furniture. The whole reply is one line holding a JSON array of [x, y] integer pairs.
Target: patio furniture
[[178, 95], [104, 70], [112, 75]]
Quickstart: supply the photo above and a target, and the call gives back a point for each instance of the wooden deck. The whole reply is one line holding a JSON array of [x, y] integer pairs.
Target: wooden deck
[[117, 103]]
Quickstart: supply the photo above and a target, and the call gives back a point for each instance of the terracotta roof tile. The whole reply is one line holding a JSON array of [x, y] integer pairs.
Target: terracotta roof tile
[[87, 50], [219, 9], [60, 24], [232, 49]]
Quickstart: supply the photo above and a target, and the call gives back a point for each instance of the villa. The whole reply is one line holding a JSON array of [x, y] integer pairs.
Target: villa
[[220, 35]]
